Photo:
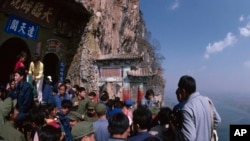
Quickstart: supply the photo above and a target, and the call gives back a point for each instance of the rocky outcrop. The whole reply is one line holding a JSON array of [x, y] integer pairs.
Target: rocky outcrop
[[115, 27]]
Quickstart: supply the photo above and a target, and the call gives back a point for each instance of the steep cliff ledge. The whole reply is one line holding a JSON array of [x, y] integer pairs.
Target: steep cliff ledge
[[115, 27]]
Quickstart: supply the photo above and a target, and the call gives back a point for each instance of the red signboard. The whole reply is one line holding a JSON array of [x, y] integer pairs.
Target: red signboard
[[111, 72]]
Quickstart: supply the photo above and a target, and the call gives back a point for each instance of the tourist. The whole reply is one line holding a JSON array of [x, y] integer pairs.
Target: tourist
[[69, 90], [118, 107], [36, 70], [164, 130], [142, 118], [154, 111], [91, 114], [101, 125], [37, 121], [148, 100], [3, 94], [83, 131], [58, 98], [47, 91], [92, 96], [74, 118], [195, 108], [50, 133], [25, 100], [128, 110], [118, 127], [82, 101], [11, 89], [64, 118], [104, 98], [10, 112], [21, 59], [75, 89]]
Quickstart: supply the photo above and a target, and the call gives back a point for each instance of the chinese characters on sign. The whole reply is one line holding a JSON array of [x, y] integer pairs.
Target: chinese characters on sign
[[38, 11], [111, 72], [22, 28]]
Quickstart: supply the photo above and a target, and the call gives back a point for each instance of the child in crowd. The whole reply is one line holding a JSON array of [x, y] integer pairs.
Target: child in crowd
[[64, 118]]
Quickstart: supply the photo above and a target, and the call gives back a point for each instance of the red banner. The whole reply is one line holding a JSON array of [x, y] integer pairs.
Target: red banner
[[125, 94], [139, 96]]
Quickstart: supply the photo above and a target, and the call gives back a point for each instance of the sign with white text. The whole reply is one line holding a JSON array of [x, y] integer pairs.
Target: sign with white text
[[22, 28], [239, 132]]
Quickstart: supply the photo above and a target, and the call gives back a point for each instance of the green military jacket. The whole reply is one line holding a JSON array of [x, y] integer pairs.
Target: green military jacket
[[9, 133], [82, 106]]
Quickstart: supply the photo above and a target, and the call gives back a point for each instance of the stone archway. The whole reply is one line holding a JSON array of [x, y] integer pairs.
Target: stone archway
[[51, 66], [9, 50]]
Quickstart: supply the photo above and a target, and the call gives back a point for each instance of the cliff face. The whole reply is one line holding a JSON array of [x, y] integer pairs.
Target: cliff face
[[114, 28], [114, 24]]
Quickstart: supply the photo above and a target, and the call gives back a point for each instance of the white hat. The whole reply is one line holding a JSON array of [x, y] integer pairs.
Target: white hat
[[50, 79]]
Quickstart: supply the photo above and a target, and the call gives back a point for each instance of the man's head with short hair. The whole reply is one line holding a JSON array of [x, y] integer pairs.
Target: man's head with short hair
[[119, 104], [165, 115], [118, 125], [19, 75], [62, 90], [66, 106], [67, 82], [76, 89], [80, 89], [82, 92], [104, 96], [186, 86], [49, 133], [50, 110], [141, 118], [92, 95]]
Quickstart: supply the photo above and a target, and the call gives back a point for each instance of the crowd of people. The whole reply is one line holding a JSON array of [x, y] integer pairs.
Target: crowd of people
[[72, 113]]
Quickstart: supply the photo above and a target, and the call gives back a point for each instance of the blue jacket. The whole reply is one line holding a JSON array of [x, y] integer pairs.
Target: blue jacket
[[64, 119], [58, 100], [12, 94], [25, 99], [47, 93], [101, 132]]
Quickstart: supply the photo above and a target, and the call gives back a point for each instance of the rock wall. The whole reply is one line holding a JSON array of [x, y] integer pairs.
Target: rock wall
[[115, 27], [112, 29]]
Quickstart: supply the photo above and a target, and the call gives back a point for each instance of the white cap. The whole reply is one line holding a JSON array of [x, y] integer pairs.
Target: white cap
[[50, 79]]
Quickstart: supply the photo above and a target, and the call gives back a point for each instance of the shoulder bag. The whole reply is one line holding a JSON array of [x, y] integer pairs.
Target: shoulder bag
[[214, 134]]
